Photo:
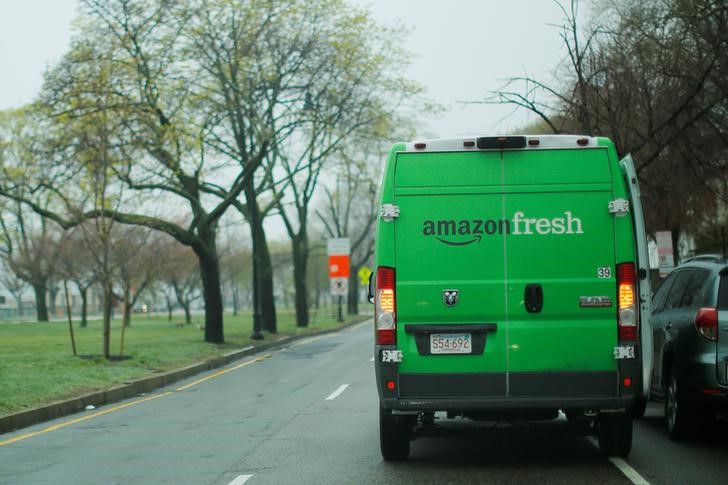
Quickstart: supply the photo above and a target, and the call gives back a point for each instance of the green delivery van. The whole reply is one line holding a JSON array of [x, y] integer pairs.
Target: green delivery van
[[511, 283]]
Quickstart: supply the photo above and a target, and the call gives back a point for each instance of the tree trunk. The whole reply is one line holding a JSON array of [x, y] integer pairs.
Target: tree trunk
[[52, 293], [299, 246], [352, 304], [84, 307], [19, 301], [107, 304], [188, 316], [236, 298], [169, 308], [126, 321], [41, 306], [264, 265], [675, 232], [211, 291]]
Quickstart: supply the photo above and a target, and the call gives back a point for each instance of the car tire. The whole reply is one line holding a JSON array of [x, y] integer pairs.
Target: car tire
[[639, 407], [615, 434], [394, 435], [678, 413]]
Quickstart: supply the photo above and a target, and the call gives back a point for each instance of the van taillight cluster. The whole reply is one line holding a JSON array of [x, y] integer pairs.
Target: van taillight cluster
[[385, 319], [706, 323], [627, 313]]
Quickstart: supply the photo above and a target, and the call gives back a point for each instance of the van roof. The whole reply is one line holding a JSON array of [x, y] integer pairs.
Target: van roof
[[500, 142]]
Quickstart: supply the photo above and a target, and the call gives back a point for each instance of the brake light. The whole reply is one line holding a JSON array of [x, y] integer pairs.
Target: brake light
[[385, 320], [706, 323], [627, 312]]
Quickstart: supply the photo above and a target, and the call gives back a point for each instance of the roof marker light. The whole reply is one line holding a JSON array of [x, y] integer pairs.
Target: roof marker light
[[469, 143], [534, 142], [420, 146], [582, 142]]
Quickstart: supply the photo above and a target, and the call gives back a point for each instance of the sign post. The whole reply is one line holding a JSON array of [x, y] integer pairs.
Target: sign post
[[338, 250]]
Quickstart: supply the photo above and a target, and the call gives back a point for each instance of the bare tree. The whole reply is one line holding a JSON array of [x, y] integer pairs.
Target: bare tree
[[77, 266], [31, 249], [179, 273], [650, 76], [15, 285]]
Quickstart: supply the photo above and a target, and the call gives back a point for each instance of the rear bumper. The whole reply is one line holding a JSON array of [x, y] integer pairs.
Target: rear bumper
[[701, 384], [507, 404], [596, 390]]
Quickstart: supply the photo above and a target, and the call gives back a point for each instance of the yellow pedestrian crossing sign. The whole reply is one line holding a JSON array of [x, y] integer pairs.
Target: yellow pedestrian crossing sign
[[363, 275]]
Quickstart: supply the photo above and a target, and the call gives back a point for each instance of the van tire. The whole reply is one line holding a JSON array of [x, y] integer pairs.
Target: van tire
[[394, 435], [679, 415], [639, 407], [615, 434]]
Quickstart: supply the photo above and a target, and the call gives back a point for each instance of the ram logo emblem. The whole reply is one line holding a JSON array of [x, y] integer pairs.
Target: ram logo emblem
[[450, 297]]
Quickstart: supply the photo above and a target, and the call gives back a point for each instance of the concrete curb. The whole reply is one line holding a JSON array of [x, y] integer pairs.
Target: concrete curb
[[22, 419]]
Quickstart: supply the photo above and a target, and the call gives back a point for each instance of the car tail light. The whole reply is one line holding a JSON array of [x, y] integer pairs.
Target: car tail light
[[385, 319], [627, 313], [706, 323]]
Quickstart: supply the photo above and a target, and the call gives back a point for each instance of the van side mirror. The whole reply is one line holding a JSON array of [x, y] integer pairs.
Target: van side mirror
[[370, 294]]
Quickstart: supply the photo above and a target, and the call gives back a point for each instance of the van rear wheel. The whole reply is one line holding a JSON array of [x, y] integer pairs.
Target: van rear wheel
[[394, 435], [615, 433], [678, 412]]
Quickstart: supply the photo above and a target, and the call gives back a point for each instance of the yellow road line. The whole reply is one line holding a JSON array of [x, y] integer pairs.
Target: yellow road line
[[225, 371], [84, 418]]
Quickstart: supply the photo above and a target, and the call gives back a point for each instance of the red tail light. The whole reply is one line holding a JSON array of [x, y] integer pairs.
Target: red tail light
[[385, 317], [706, 323], [627, 309]]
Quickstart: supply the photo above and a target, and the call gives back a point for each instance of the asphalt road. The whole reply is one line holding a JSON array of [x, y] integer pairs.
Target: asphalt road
[[308, 414]]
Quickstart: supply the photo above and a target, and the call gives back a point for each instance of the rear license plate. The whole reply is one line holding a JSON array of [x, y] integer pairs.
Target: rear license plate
[[451, 343]]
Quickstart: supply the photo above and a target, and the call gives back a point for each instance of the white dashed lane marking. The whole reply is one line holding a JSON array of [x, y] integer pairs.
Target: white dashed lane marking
[[624, 467], [240, 480], [337, 392]]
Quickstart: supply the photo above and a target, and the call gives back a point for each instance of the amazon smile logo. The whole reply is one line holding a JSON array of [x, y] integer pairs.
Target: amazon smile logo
[[469, 231], [465, 231]]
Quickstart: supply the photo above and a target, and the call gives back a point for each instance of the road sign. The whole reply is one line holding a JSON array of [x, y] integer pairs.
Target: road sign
[[363, 274], [339, 245], [665, 252], [339, 266], [339, 286], [338, 250]]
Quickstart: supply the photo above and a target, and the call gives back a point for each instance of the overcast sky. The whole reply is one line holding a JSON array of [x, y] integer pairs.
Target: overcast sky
[[461, 50]]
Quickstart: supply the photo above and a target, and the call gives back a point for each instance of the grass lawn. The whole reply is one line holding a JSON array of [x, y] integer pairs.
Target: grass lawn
[[37, 365]]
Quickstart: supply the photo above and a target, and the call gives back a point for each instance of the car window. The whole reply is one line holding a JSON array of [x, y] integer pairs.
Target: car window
[[658, 300], [677, 290], [697, 281]]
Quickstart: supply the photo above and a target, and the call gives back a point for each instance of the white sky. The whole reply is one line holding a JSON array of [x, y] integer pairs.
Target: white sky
[[462, 49]]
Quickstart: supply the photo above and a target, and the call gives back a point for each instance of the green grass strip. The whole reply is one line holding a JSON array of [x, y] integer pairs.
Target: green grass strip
[[37, 365]]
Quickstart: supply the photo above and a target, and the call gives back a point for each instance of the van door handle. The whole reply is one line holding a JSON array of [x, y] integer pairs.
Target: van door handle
[[533, 298]]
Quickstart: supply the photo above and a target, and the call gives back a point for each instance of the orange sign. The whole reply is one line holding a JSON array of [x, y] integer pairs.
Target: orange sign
[[339, 266]]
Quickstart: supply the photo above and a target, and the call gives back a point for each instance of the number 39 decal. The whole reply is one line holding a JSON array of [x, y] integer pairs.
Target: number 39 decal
[[604, 272]]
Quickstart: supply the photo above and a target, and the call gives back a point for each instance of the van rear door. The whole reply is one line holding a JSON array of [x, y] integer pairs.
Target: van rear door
[[643, 264], [560, 272], [450, 274]]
